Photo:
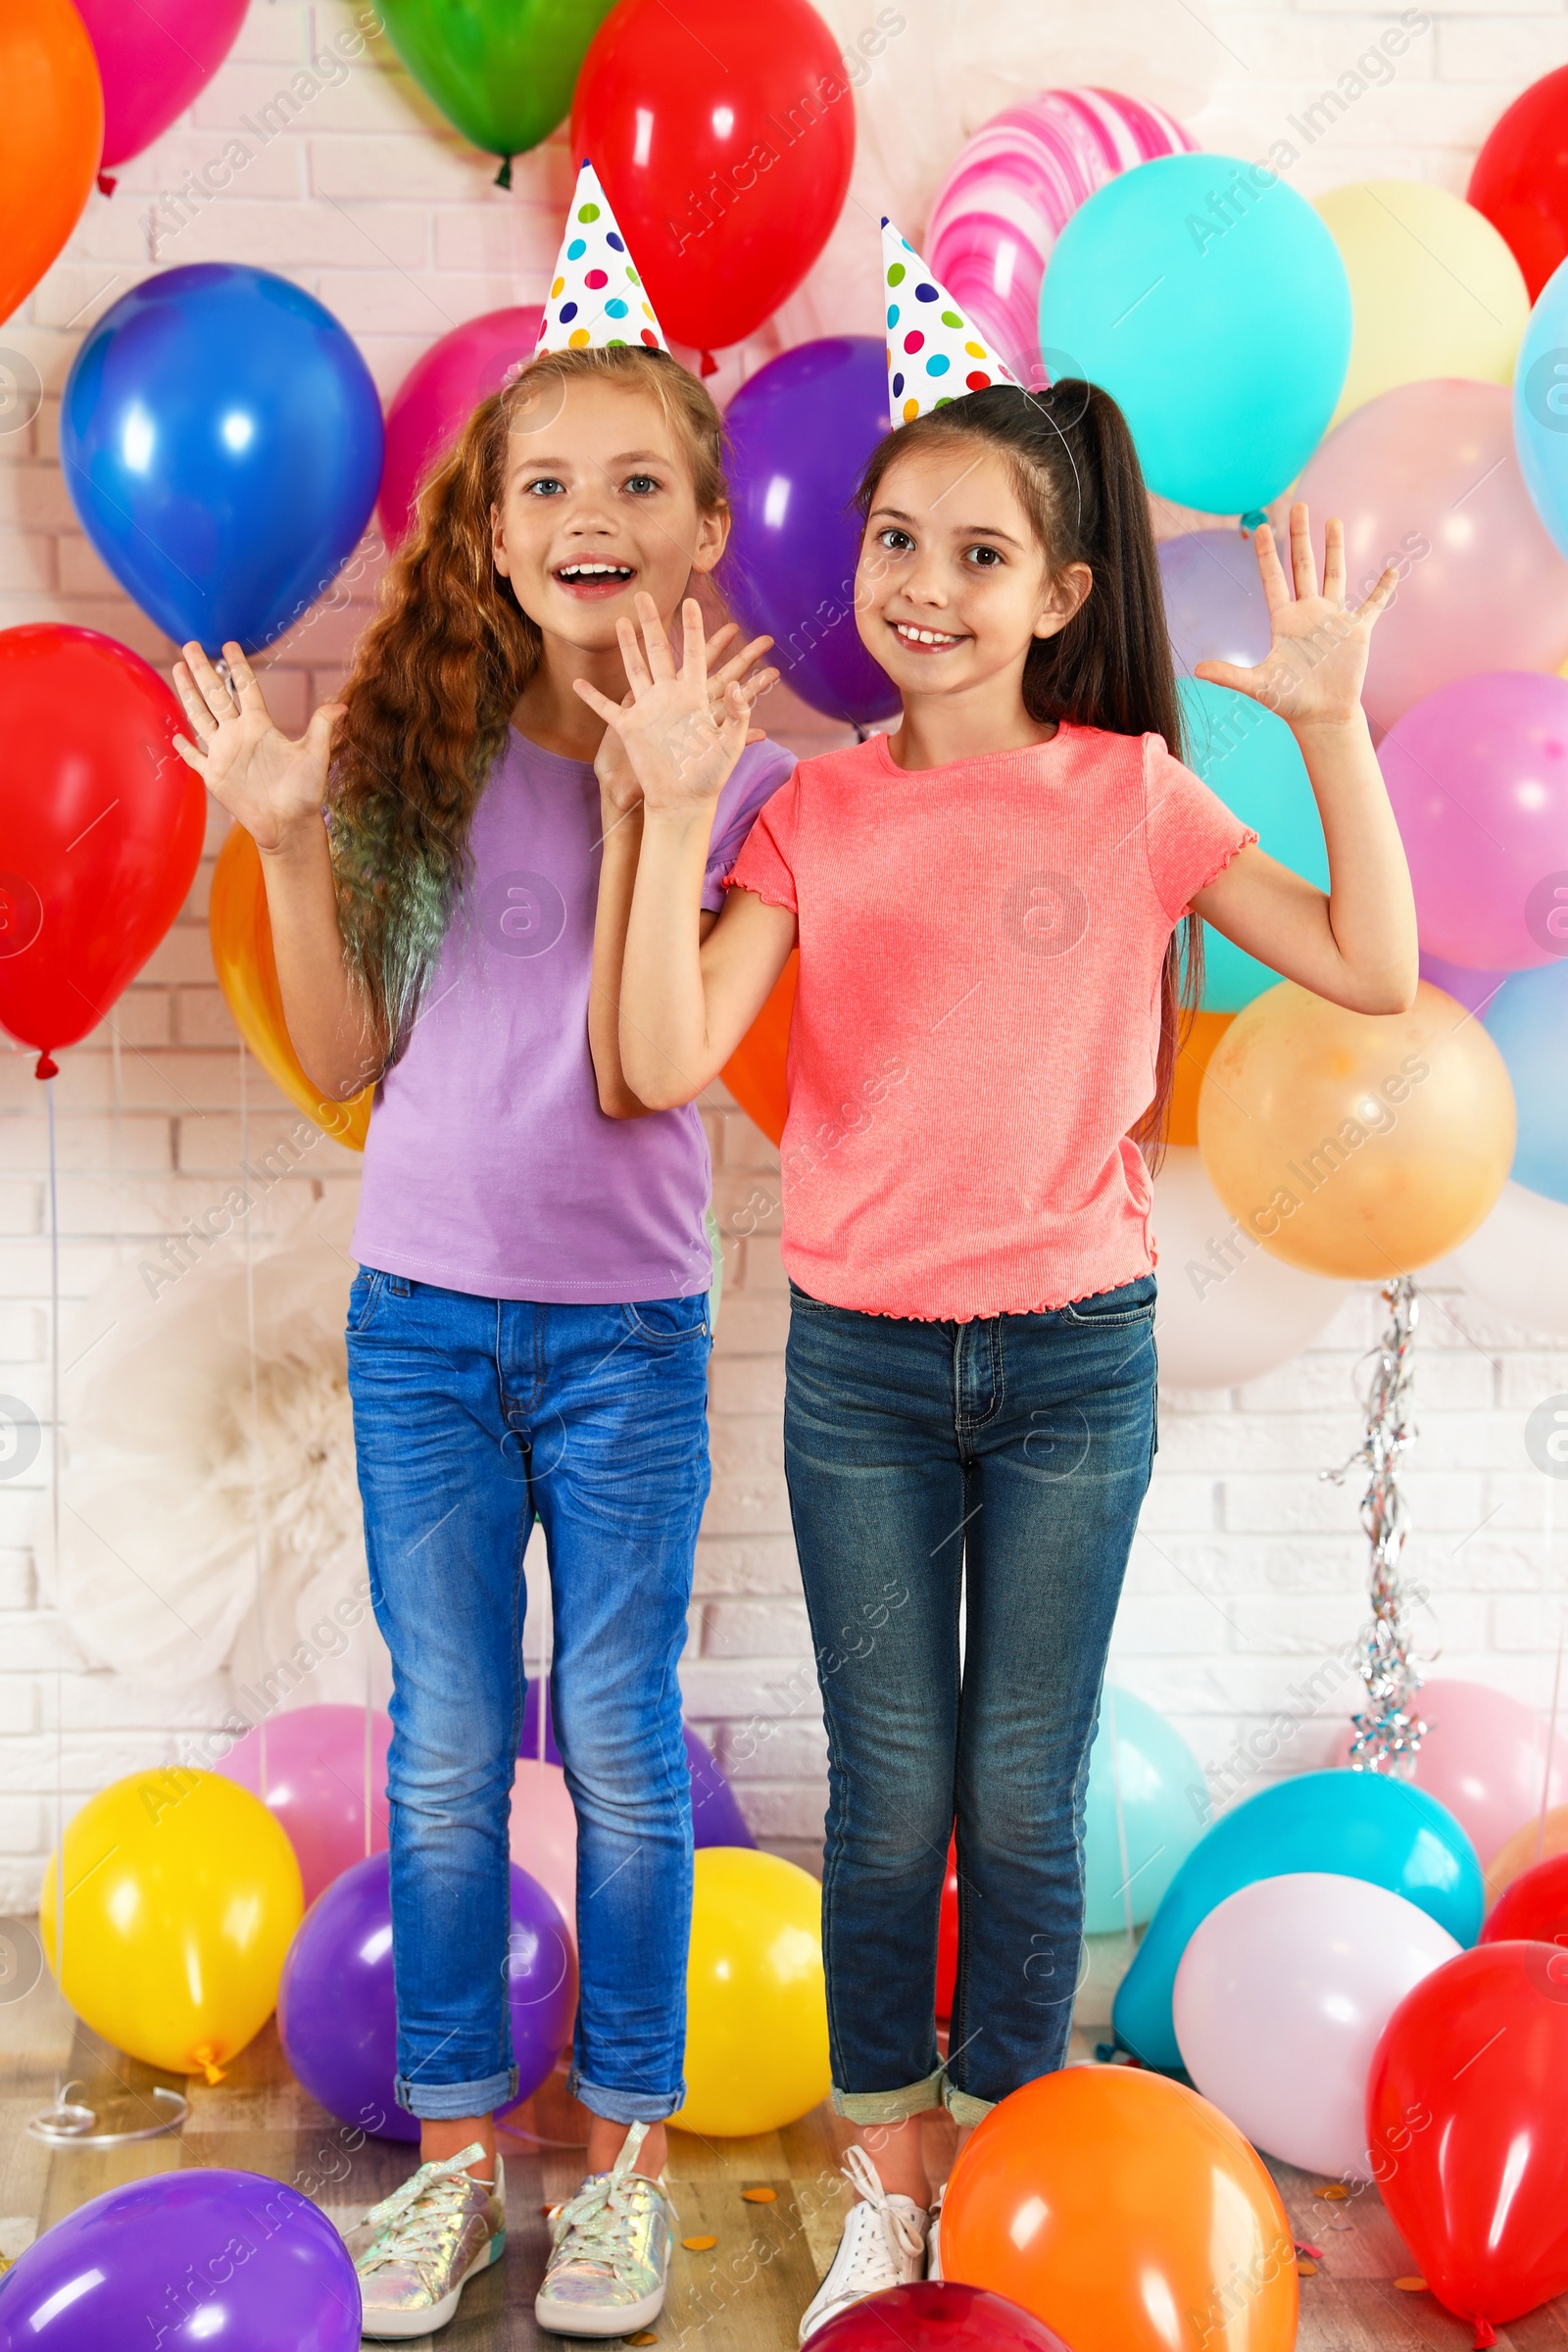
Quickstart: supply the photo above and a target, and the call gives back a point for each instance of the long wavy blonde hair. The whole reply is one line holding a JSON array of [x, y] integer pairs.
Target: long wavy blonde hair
[[439, 671]]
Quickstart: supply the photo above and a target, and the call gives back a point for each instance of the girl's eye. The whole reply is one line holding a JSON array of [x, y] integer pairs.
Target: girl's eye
[[985, 558], [640, 485], [545, 486], [897, 541]]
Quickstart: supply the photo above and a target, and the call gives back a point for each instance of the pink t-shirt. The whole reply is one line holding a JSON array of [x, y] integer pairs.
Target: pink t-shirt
[[977, 1014]]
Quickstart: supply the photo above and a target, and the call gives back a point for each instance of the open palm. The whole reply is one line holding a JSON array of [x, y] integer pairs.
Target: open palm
[[1313, 671], [680, 740], [267, 781]]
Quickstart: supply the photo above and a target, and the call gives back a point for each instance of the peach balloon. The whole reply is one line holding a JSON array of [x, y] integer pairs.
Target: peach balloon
[[1535, 1842], [1352, 1143], [1425, 477], [544, 1834]]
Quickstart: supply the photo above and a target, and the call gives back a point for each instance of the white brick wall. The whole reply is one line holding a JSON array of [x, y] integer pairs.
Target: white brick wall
[[1248, 1570]]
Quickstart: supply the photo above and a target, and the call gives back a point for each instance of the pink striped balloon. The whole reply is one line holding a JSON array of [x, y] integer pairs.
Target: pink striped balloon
[[1016, 183]]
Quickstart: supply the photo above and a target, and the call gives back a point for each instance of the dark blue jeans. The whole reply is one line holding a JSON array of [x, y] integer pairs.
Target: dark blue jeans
[[469, 1415], [1005, 1459]]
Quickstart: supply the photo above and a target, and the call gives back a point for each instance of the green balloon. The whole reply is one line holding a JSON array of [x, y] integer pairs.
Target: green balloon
[[503, 70], [1250, 757]]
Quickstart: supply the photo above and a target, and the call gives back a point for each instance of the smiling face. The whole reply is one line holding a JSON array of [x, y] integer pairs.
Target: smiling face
[[952, 585], [597, 503]]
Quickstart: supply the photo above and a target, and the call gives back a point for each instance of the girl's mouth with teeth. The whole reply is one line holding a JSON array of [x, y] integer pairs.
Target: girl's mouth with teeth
[[924, 641], [592, 578]]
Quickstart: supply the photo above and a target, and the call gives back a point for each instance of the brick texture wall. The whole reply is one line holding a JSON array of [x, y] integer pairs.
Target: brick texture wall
[[1248, 1571]]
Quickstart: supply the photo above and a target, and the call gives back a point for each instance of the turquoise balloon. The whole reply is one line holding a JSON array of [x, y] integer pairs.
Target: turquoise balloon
[[1250, 757], [1134, 1848], [1211, 301], [1355, 1825], [1528, 1022], [1541, 405]]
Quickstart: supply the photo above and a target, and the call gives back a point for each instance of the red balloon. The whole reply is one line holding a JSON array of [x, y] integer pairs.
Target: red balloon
[[101, 828], [1520, 180], [1464, 2125], [724, 137], [1533, 1908], [937, 2317], [948, 1937]]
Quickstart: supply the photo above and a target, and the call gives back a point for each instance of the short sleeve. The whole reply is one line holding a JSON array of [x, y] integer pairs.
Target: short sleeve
[[1189, 834], [767, 861], [760, 772]]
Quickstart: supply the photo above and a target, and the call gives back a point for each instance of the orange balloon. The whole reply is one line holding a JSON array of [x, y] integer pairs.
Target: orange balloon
[[1521, 1854], [51, 136], [1352, 1143], [1193, 1058], [1128, 2214], [247, 972], [754, 1071]]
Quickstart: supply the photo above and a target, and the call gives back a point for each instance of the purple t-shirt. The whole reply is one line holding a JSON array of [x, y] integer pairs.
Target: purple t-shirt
[[489, 1166]]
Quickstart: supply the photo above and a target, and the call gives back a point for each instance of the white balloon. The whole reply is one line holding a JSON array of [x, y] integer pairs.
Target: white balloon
[[1281, 1999], [1517, 1259], [1227, 1311]]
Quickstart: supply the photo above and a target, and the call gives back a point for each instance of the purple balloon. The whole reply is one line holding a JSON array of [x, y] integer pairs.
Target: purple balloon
[[152, 58], [717, 1819], [800, 432], [337, 2008], [1214, 603], [186, 2260], [1473, 989]]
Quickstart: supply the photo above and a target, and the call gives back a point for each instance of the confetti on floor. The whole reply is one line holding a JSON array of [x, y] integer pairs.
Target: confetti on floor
[[1313, 2253], [646, 2337], [1332, 2188], [1411, 2286], [758, 2196], [1306, 2266], [699, 2245]]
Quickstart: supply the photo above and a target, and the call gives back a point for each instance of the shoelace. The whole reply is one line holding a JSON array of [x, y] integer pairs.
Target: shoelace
[[411, 2220], [899, 2233], [598, 2219]]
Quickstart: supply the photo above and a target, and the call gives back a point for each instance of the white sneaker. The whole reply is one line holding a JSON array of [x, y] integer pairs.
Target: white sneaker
[[431, 2235], [608, 2265], [883, 2245], [933, 2239]]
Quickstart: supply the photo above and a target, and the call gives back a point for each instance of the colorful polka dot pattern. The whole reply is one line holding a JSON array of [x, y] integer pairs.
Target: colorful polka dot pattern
[[934, 353], [596, 297]]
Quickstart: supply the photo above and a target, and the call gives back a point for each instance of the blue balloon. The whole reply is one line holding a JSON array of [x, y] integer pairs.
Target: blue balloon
[[1541, 405], [1143, 1812], [1211, 301], [1528, 1020], [800, 432], [223, 446], [1250, 757], [1215, 608], [1355, 1825]]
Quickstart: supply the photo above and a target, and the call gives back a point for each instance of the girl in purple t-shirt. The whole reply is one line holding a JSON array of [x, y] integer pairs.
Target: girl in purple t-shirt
[[528, 1330]]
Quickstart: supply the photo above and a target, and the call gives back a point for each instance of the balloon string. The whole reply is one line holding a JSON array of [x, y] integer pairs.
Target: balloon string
[[62, 2084], [1121, 1829], [1557, 1694], [263, 1784], [117, 1130]]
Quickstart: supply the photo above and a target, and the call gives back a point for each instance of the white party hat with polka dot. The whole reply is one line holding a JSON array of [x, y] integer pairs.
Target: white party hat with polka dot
[[596, 297], [935, 354]]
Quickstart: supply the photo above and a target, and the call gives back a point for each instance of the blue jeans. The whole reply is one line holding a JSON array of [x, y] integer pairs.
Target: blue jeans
[[1006, 1458], [470, 1415]]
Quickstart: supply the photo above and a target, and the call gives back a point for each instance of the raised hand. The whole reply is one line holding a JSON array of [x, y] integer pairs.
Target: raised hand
[[271, 784], [1313, 671], [617, 779], [679, 733]]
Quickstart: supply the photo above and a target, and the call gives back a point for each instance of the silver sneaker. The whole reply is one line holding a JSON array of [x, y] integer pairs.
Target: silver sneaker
[[610, 2267], [431, 2236], [883, 2245]]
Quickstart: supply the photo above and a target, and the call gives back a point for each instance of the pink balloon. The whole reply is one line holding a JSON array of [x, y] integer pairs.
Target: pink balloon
[[1478, 775], [544, 1834], [316, 1784], [1425, 477], [1012, 189], [1485, 1757], [1280, 2001], [153, 56], [437, 397]]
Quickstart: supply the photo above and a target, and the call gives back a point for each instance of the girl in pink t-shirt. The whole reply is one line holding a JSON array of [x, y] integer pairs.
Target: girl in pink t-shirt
[[991, 905]]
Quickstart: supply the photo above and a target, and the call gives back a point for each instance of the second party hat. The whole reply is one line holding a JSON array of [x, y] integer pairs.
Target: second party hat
[[596, 297], [935, 354]]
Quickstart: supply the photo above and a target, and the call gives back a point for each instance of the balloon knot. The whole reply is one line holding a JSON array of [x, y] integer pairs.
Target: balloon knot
[[47, 1066], [1254, 520], [504, 176], [710, 363], [107, 183], [209, 2065], [1485, 2334]]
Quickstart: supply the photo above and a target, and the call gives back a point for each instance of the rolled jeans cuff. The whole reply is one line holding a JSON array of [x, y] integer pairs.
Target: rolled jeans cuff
[[625, 2106], [963, 2106], [891, 2106], [444, 2102]]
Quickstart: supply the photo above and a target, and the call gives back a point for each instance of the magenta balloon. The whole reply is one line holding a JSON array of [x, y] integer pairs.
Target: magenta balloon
[[1472, 989], [153, 56], [316, 1784], [1425, 477], [437, 397], [1478, 775]]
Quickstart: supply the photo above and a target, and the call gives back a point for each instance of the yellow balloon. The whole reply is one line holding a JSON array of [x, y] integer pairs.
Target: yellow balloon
[[1539, 1841], [1433, 289], [182, 1895], [756, 2000], [1352, 1143]]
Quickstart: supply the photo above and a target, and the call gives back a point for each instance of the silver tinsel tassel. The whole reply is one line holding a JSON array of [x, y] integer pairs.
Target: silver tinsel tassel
[[1389, 1729]]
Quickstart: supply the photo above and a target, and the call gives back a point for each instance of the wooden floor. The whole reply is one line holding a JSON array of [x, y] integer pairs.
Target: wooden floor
[[745, 2295]]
